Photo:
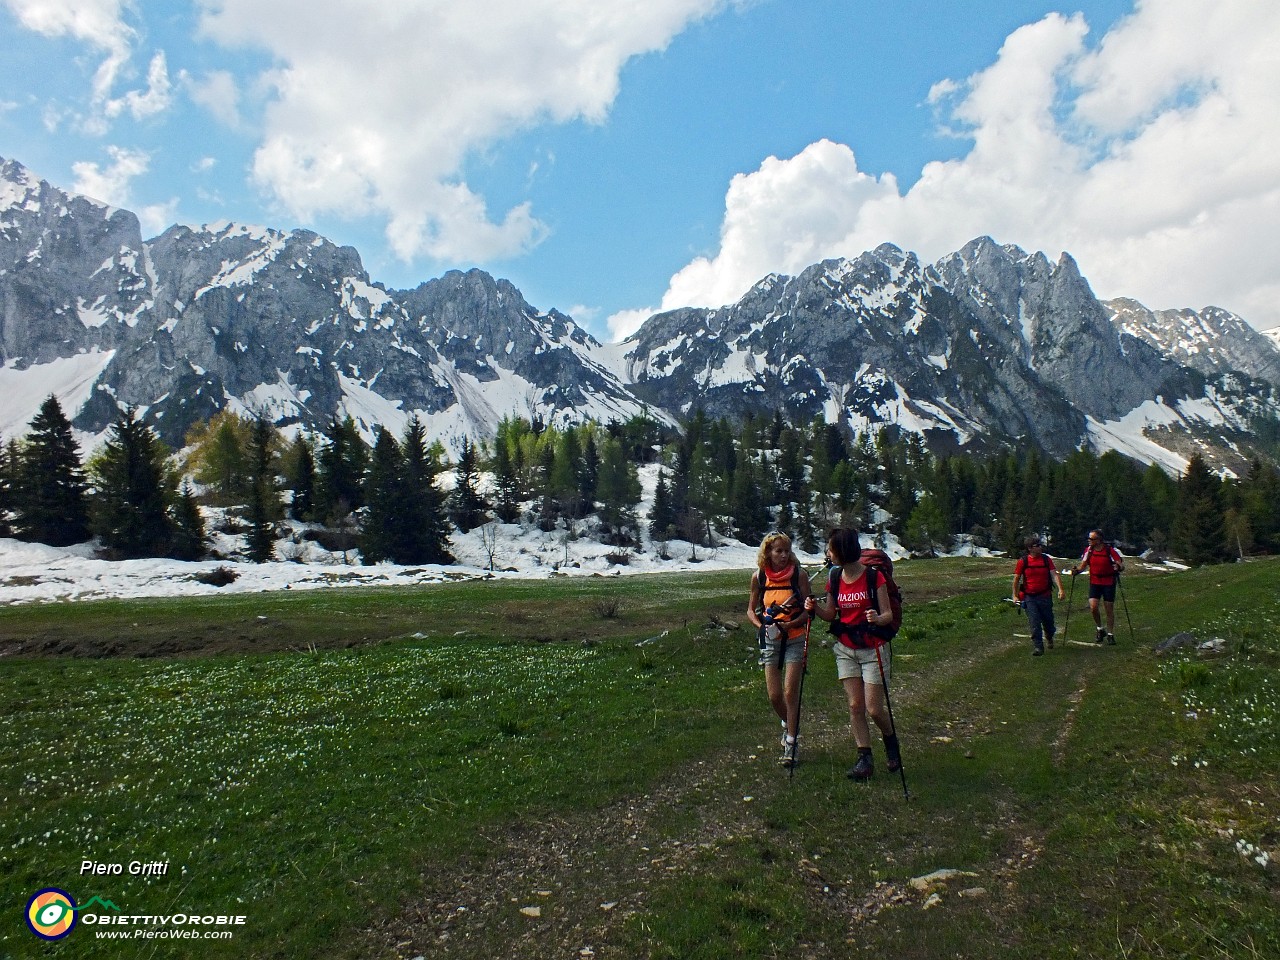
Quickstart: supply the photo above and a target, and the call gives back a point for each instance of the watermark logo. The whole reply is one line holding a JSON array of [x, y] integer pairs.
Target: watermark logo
[[51, 913]]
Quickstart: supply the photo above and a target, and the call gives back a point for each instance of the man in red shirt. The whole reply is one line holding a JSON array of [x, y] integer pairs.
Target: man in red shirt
[[1034, 577], [1104, 564]]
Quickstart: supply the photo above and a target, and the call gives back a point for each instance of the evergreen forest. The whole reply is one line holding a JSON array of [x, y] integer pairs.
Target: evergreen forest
[[715, 481]]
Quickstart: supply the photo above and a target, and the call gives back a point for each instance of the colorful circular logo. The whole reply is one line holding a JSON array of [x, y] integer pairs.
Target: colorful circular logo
[[51, 913]]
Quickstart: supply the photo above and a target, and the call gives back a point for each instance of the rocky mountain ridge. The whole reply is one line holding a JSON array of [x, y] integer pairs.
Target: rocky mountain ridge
[[990, 345]]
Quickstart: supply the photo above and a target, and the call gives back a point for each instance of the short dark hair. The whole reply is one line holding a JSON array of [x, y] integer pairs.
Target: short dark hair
[[844, 542], [1034, 542]]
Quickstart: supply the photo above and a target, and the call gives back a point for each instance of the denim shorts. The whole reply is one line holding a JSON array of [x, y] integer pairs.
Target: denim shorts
[[794, 652]]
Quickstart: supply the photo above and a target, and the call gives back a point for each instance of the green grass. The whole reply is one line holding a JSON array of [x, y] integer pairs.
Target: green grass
[[1106, 802]]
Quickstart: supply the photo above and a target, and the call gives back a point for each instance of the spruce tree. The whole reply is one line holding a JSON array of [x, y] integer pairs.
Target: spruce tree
[[384, 493], [8, 458], [619, 492], [1198, 530], [342, 464], [506, 483], [747, 508], [424, 535], [189, 541], [264, 508], [662, 517], [301, 478], [48, 488], [133, 489], [466, 506]]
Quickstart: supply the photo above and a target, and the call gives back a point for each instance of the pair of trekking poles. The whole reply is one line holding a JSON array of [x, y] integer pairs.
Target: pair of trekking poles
[[804, 670], [1123, 600]]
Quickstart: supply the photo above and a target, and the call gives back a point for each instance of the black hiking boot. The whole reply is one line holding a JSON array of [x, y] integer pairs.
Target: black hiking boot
[[1111, 639], [1100, 635], [1037, 651], [863, 769], [892, 753], [1050, 641]]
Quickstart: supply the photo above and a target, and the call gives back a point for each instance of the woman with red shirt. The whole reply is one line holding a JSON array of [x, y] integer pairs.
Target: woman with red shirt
[[859, 605]]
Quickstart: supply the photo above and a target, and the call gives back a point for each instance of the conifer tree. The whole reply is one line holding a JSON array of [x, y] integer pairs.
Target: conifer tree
[[264, 508], [8, 458], [747, 508], [342, 464], [300, 477], [506, 483], [619, 492], [926, 528], [189, 540], [662, 516], [133, 489], [384, 493], [466, 506], [219, 456], [589, 475], [548, 505], [48, 484], [423, 536], [1198, 530]]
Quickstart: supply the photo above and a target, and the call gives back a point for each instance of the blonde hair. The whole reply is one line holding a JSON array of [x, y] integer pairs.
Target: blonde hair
[[763, 555]]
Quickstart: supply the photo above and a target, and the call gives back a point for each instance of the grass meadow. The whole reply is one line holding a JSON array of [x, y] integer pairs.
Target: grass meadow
[[586, 768]]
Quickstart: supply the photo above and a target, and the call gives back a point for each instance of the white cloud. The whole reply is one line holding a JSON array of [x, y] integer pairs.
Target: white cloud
[[157, 217], [626, 322], [376, 105], [1150, 157], [100, 24], [156, 99], [111, 184], [218, 92]]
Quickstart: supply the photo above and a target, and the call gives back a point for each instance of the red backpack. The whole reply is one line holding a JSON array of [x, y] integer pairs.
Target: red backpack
[[879, 562]]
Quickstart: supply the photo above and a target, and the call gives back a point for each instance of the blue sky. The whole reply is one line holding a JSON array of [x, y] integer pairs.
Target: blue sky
[[613, 158]]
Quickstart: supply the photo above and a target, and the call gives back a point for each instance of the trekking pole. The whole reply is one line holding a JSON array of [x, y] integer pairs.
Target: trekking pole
[[902, 767], [804, 669], [1070, 598], [1125, 601]]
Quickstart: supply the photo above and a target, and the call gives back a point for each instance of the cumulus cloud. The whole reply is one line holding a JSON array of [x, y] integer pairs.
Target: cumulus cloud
[[217, 92], [1149, 156], [111, 184], [101, 24], [626, 322], [375, 106]]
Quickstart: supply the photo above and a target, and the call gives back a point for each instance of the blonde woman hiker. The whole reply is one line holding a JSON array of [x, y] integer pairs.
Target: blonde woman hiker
[[779, 588]]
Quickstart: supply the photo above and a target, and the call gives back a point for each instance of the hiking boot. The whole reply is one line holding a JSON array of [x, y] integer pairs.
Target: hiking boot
[[1037, 651], [1100, 635], [863, 769], [1050, 640], [1111, 639], [893, 754], [790, 753]]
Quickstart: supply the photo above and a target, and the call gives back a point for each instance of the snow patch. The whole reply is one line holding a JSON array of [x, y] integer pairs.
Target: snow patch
[[70, 379]]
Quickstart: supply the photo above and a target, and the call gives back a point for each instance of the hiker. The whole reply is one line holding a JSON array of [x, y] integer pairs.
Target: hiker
[[1034, 576], [857, 610], [1104, 564], [779, 588]]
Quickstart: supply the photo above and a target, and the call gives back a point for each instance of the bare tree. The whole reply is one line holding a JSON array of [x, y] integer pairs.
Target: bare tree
[[489, 540]]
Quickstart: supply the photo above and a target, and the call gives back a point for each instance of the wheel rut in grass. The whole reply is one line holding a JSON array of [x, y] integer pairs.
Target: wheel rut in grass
[[559, 886]]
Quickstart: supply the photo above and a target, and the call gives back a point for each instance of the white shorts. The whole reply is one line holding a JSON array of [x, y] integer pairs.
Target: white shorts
[[857, 662]]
